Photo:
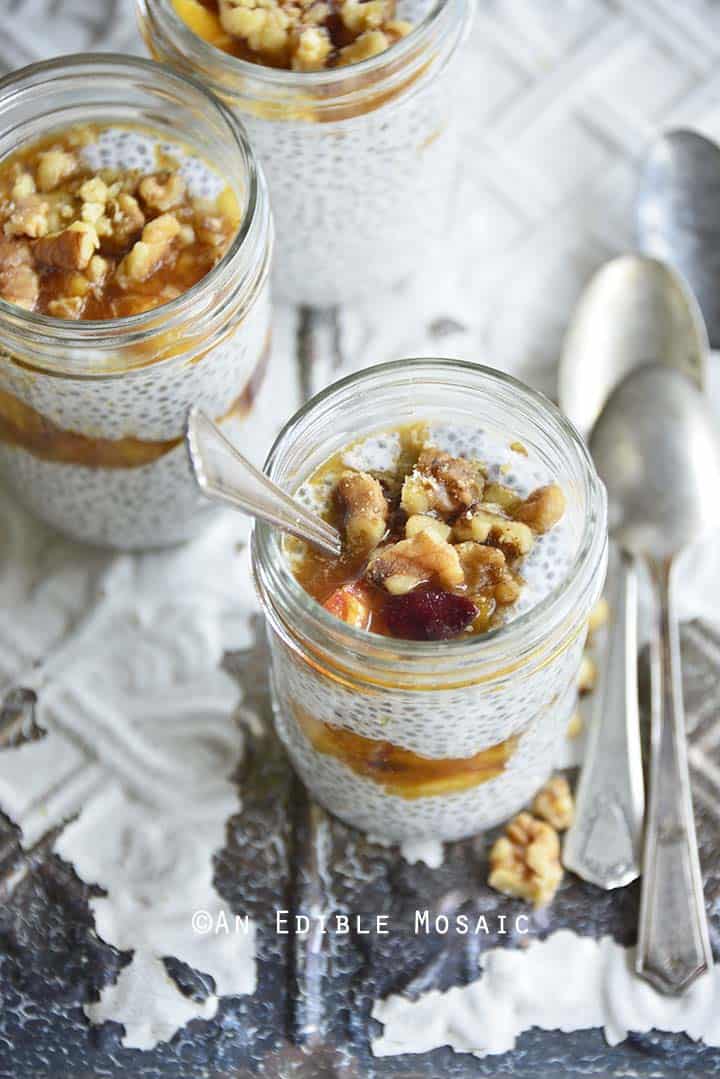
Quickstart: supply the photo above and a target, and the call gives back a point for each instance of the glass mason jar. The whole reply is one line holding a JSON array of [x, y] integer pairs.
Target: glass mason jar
[[355, 709], [92, 413], [360, 160]]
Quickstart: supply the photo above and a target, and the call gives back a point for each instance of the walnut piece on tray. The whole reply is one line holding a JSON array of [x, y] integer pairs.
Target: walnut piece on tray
[[525, 861]]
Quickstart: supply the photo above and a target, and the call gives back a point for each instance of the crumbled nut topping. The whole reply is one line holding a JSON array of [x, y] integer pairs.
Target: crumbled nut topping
[[364, 510], [575, 726], [75, 244], [420, 522], [542, 509], [19, 282], [426, 527], [587, 676], [525, 861], [441, 483], [599, 616], [300, 35], [402, 566], [554, 803], [486, 571]]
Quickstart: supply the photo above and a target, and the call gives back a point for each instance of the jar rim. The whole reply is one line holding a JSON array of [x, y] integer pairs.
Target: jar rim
[[527, 632], [204, 56], [134, 329]]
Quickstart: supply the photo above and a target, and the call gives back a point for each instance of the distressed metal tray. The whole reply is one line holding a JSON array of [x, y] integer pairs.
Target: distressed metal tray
[[310, 1016]]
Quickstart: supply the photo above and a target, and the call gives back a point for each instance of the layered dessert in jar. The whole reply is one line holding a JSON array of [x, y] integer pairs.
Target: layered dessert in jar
[[424, 679], [135, 245], [350, 108]]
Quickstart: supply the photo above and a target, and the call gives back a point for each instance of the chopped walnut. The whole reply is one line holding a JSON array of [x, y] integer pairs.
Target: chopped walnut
[[97, 269], [474, 525], [301, 35], [484, 526], [575, 726], [485, 571], [402, 566], [126, 219], [265, 27], [554, 803], [29, 217], [420, 522], [77, 284], [482, 566], [210, 228], [359, 15], [70, 249], [441, 483], [599, 615], [507, 590], [94, 190], [542, 509], [66, 307], [54, 166], [370, 43], [373, 42], [163, 191], [23, 187], [147, 255], [312, 51], [19, 283], [502, 496], [92, 212], [525, 862], [364, 510], [587, 676]]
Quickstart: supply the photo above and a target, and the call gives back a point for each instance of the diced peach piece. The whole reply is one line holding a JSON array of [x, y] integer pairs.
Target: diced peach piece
[[350, 606]]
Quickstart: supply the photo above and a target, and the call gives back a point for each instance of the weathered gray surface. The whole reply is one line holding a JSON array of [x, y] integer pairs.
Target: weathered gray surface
[[310, 1015]]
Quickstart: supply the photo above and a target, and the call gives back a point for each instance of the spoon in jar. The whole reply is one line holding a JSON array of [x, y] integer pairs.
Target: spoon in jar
[[636, 310], [223, 474], [656, 447]]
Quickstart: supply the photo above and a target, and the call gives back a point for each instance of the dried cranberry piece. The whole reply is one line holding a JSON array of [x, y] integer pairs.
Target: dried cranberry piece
[[428, 614]]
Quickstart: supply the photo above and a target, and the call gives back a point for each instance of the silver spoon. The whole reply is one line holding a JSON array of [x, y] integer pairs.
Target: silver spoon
[[634, 311], [656, 447], [678, 215], [223, 474]]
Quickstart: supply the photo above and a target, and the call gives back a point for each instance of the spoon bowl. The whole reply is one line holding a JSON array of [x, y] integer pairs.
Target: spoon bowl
[[678, 215], [656, 448], [635, 311]]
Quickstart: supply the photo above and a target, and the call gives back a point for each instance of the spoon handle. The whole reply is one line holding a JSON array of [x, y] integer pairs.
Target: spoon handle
[[673, 942], [603, 843], [222, 473]]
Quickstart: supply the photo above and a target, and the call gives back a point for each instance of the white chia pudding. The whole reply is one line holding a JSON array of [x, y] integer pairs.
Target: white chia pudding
[[452, 750], [358, 146], [358, 204], [103, 223]]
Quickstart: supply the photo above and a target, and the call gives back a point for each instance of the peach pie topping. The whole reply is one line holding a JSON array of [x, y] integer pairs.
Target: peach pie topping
[[431, 550], [82, 244]]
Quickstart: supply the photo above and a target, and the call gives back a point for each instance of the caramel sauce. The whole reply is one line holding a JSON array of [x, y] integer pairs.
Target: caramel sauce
[[400, 771], [24, 427]]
